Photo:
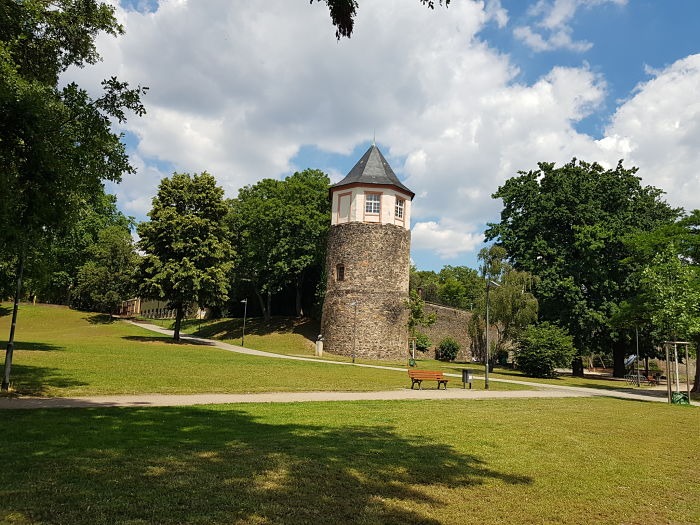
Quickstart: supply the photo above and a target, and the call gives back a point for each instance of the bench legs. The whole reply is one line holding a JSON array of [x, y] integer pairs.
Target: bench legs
[[419, 382]]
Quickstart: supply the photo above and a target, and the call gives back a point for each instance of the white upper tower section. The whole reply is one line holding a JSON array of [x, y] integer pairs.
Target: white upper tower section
[[371, 193]]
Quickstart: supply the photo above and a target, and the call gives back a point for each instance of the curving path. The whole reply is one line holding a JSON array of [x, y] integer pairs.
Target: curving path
[[539, 390]]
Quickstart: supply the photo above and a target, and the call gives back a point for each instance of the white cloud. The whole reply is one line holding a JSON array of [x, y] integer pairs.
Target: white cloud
[[552, 29], [447, 240], [237, 88], [658, 129]]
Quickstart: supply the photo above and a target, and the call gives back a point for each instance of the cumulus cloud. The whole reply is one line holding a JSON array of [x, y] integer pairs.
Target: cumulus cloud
[[446, 240], [658, 129], [552, 25], [239, 88]]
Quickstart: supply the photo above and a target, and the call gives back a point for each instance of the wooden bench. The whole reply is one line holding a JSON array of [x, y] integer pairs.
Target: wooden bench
[[418, 376]]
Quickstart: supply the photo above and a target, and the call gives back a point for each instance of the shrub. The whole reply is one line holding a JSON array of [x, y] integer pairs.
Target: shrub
[[447, 349], [543, 348], [423, 342]]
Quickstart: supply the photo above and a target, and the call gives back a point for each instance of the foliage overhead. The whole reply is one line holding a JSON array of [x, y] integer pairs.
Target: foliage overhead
[[56, 143], [279, 228], [107, 278], [343, 14]]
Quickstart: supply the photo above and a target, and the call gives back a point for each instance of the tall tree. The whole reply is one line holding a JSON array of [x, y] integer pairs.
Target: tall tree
[[512, 306], [279, 229], [187, 254], [566, 226], [107, 278], [56, 143], [668, 272]]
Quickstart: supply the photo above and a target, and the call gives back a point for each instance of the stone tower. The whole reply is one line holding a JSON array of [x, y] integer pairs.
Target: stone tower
[[367, 263]]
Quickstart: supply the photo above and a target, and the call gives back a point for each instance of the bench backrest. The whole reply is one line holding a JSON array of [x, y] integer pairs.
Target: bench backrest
[[425, 374]]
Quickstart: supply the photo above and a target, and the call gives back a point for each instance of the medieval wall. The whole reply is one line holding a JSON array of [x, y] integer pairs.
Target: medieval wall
[[375, 266], [453, 323]]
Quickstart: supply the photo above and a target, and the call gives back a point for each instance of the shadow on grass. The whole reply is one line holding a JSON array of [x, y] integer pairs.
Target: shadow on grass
[[32, 346], [37, 380], [232, 328], [5, 311], [165, 339], [190, 464], [99, 319]]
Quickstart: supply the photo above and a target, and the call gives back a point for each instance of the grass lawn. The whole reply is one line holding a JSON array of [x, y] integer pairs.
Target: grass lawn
[[589, 460], [295, 337], [63, 352]]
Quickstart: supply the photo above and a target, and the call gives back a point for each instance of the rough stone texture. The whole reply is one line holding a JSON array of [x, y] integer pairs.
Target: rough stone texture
[[376, 262], [453, 323]]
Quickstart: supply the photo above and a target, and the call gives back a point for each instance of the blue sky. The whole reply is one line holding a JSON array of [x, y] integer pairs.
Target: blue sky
[[459, 99]]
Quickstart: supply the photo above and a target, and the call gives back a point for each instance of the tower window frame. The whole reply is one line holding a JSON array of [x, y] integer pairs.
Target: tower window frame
[[399, 208], [373, 203], [339, 272]]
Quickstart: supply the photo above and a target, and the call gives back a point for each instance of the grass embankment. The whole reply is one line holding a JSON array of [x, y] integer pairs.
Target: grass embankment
[[63, 352], [295, 337], [516, 461]]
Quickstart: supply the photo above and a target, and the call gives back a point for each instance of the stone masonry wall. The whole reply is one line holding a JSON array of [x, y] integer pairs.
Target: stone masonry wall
[[376, 262], [453, 323]]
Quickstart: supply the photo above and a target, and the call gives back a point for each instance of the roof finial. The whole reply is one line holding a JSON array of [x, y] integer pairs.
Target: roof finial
[[374, 136]]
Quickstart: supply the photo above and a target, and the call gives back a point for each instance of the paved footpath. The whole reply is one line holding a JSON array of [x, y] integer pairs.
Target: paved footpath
[[539, 390]]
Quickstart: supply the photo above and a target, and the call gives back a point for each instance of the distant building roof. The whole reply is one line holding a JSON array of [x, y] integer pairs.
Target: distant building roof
[[372, 168]]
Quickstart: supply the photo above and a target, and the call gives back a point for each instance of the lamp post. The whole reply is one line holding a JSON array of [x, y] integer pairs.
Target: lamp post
[[489, 282], [354, 331], [245, 313]]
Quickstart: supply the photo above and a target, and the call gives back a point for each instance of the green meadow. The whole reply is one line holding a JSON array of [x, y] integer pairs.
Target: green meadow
[[579, 460], [63, 352], [572, 460]]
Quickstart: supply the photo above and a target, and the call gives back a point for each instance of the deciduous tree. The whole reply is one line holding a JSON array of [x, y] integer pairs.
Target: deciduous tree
[[187, 253], [566, 226], [56, 143]]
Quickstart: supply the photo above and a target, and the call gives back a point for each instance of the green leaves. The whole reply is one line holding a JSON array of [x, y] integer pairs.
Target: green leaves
[[279, 229], [187, 251], [567, 226]]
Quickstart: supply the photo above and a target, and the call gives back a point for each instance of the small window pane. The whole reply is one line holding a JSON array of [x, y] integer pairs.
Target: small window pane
[[372, 203], [399, 208]]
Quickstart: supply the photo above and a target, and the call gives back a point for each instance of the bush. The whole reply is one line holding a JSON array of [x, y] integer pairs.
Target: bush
[[423, 342], [543, 348], [447, 349]]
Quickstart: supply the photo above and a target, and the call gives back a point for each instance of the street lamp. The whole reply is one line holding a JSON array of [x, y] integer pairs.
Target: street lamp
[[245, 312], [354, 331], [489, 282]]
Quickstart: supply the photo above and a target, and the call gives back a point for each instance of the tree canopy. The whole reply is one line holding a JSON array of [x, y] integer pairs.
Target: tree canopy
[[279, 228], [187, 253], [567, 226], [56, 143]]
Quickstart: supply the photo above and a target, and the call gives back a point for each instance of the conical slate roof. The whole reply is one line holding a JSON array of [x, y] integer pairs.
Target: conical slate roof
[[372, 168]]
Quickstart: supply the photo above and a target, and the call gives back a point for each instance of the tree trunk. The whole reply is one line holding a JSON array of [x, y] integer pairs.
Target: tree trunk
[[577, 367], [11, 341], [178, 322], [299, 284], [619, 359], [265, 305], [696, 384]]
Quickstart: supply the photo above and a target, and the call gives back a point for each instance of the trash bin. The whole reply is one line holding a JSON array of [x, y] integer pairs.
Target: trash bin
[[467, 377]]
